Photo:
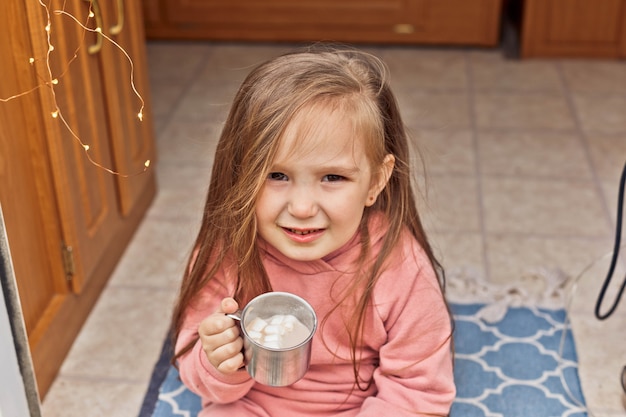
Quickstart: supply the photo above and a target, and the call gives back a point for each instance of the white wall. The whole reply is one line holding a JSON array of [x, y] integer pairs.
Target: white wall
[[12, 393], [18, 389]]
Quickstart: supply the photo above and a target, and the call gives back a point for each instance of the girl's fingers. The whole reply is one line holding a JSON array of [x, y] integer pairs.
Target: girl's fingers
[[232, 364], [228, 358], [221, 344], [219, 335], [215, 324], [229, 305]]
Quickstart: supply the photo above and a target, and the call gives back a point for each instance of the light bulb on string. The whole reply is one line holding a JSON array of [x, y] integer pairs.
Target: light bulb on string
[[51, 81]]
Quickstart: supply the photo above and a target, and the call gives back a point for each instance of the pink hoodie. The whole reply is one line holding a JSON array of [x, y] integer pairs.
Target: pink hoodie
[[406, 341]]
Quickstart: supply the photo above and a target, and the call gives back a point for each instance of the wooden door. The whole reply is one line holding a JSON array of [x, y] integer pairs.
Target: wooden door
[[56, 159], [388, 21], [574, 28]]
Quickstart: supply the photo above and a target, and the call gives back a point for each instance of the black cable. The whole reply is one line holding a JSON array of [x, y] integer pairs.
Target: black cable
[[618, 236]]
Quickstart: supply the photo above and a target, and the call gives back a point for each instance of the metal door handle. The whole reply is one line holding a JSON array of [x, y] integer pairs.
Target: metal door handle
[[117, 28], [96, 47]]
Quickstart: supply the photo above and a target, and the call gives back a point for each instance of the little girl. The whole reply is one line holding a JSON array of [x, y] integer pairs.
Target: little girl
[[311, 194]]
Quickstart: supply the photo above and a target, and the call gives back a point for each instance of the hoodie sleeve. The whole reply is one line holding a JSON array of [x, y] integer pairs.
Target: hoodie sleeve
[[415, 372], [196, 372]]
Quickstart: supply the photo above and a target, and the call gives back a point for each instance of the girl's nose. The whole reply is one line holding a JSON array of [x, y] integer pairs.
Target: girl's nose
[[302, 203]]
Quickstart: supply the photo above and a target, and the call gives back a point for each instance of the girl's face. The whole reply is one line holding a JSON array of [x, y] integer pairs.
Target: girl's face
[[319, 184]]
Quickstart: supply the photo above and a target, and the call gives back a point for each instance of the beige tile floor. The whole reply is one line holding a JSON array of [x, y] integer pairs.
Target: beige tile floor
[[524, 159]]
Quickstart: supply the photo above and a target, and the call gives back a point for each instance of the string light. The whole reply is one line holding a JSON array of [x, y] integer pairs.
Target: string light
[[4, 100], [50, 80], [118, 46]]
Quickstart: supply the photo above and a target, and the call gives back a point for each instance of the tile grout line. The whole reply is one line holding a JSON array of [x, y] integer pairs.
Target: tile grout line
[[584, 141], [477, 166]]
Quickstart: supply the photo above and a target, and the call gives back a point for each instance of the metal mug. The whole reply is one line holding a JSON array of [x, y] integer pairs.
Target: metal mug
[[277, 367]]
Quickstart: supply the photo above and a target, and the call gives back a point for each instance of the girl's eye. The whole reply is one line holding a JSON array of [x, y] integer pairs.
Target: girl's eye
[[333, 178], [277, 176]]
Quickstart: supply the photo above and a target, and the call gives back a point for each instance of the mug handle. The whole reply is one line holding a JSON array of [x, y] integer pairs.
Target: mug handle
[[235, 316]]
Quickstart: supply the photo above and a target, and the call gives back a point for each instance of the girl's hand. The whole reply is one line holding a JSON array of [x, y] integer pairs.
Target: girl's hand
[[220, 338]]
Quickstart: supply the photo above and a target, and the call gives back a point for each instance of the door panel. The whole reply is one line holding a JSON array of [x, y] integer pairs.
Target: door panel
[[267, 13], [131, 135], [574, 28], [392, 21], [579, 21], [23, 193], [86, 192]]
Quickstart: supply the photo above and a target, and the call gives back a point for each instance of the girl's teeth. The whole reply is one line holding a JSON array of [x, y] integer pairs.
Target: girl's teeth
[[302, 232]]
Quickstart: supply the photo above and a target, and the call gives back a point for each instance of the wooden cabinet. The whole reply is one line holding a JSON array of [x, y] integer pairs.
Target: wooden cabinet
[[68, 217], [574, 28], [475, 22]]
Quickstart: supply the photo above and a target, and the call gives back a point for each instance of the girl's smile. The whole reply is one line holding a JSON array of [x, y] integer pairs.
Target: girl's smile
[[303, 235]]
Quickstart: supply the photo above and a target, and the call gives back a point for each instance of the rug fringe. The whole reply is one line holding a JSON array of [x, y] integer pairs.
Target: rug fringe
[[539, 287]]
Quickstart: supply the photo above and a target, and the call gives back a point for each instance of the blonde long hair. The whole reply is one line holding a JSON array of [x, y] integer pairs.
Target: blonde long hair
[[266, 102]]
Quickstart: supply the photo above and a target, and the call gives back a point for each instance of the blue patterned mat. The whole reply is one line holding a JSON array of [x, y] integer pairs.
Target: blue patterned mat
[[519, 367], [524, 365]]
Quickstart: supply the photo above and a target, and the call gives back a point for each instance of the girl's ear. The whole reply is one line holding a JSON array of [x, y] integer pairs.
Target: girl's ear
[[380, 179]]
